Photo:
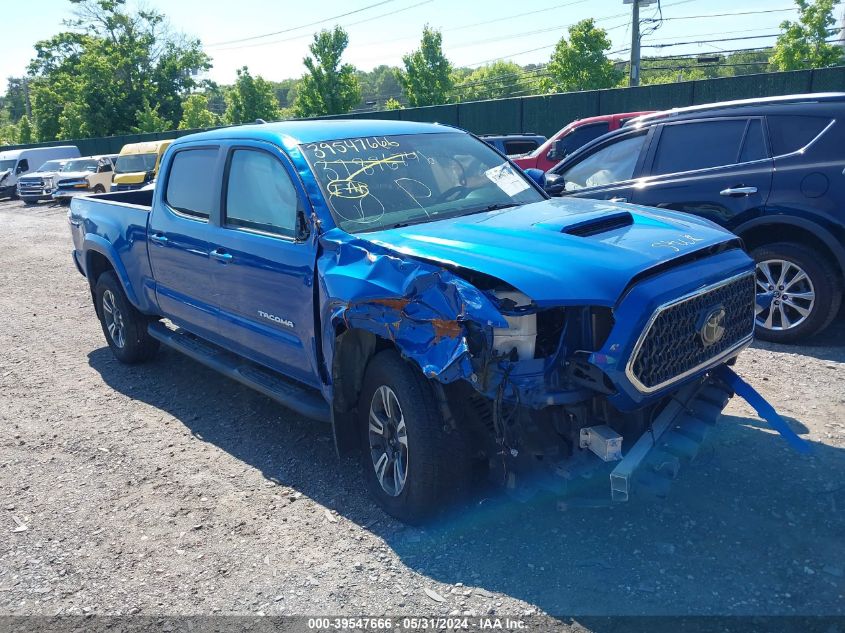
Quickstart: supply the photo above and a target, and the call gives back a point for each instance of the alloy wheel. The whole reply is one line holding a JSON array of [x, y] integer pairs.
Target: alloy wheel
[[388, 440], [785, 295], [114, 319]]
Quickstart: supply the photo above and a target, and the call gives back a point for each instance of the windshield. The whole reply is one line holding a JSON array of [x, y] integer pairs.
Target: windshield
[[373, 183], [81, 165], [7, 164], [51, 165], [130, 163]]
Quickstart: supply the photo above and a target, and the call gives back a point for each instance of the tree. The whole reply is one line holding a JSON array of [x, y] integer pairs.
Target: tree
[[581, 63], [150, 120], [24, 130], [392, 104], [195, 113], [15, 99], [251, 98], [495, 81], [109, 62], [803, 44], [426, 78], [328, 87]]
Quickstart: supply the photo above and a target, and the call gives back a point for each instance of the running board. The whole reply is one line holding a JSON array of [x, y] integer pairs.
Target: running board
[[299, 398]]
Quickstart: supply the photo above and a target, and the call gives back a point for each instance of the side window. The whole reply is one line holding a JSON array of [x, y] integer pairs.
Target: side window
[[260, 195], [612, 163], [519, 147], [790, 133], [754, 145], [699, 145], [23, 166], [189, 187], [580, 136], [105, 166]]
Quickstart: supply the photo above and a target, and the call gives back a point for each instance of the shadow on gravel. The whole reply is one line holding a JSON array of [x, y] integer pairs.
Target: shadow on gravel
[[828, 345], [750, 527]]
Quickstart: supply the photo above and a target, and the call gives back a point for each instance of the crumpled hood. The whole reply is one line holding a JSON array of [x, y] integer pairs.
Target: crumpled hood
[[529, 247], [39, 174]]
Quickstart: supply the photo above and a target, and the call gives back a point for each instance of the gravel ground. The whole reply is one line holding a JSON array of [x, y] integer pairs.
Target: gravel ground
[[167, 489]]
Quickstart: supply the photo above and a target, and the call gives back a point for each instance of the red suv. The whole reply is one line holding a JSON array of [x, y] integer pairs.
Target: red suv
[[571, 137]]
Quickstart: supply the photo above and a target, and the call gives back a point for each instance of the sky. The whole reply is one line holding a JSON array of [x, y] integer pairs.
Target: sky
[[381, 31]]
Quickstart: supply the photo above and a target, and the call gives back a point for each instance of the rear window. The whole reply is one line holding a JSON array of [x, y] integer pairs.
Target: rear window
[[189, 187], [791, 133], [700, 145], [519, 147]]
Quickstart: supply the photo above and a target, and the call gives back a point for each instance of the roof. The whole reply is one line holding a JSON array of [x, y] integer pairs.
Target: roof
[[315, 131], [815, 97], [144, 147]]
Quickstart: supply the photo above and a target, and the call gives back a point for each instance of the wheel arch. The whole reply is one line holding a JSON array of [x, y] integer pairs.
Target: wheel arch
[[768, 230], [100, 258]]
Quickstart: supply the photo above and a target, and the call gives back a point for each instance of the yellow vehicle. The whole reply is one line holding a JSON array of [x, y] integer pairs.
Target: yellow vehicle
[[137, 164]]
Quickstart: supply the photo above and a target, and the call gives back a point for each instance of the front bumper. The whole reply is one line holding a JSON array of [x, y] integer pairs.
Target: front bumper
[[131, 187], [46, 194], [66, 194]]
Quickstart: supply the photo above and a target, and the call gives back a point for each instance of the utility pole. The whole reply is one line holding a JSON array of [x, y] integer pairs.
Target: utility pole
[[634, 77]]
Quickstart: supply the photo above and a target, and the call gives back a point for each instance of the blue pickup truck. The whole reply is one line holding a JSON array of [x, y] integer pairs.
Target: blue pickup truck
[[409, 285]]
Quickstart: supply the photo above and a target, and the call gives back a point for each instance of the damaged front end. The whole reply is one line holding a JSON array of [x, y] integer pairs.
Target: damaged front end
[[542, 392]]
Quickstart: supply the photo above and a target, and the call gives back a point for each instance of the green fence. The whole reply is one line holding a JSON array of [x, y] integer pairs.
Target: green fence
[[546, 114]]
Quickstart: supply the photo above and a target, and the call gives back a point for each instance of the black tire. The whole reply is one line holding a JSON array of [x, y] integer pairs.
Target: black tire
[[825, 286], [99, 189], [29, 203], [438, 465], [129, 340]]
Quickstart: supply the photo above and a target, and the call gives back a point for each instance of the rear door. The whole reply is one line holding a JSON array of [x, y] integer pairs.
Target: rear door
[[608, 171], [719, 169], [261, 269], [179, 235]]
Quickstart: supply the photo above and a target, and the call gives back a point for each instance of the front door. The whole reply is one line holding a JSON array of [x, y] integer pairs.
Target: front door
[[262, 271]]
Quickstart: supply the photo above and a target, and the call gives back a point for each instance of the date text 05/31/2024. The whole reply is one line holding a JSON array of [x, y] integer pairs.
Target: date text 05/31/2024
[[417, 624]]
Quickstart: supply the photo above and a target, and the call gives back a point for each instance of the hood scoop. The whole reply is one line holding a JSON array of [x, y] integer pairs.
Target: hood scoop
[[586, 225]]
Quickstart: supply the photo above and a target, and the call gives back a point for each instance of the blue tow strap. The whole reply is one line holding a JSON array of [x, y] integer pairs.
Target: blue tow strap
[[763, 409]]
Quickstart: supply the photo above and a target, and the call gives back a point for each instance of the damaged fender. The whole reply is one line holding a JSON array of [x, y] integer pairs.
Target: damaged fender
[[422, 308]]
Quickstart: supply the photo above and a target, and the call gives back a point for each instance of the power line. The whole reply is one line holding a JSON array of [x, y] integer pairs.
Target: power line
[[302, 26], [308, 35], [724, 15]]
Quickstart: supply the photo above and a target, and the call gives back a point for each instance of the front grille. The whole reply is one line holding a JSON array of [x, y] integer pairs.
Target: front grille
[[31, 184], [673, 346]]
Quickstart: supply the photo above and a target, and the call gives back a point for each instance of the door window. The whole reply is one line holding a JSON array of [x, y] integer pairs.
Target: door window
[[754, 145], [260, 194], [190, 188], [700, 145], [580, 136], [610, 164], [23, 166]]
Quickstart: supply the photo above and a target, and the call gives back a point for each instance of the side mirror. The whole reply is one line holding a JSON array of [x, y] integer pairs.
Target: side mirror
[[558, 151], [554, 184], [19, 169], [537, 175]]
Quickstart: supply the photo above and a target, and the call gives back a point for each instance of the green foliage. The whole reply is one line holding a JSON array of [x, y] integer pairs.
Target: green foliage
[[15, 98], [393, 104], [379, 84], [427, 77], [329, 87], [115, 66], [802, 43], [25, 134], [495, 81], [195, 113], [285, 91], [150, 120], [581, 63], [251, 98]]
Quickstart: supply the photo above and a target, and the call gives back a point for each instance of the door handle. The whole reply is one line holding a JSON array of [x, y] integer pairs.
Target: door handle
[[159, 238], [221, 255], [738, 191]]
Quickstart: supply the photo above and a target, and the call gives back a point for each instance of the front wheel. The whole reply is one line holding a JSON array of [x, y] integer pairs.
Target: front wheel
[[124, 327], [414, 464], [798, 293]]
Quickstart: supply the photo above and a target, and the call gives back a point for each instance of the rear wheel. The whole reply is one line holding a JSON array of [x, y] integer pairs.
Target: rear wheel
[[124, 327], [414, 465], [798, 292], [99, 189]]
